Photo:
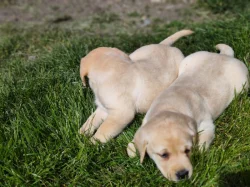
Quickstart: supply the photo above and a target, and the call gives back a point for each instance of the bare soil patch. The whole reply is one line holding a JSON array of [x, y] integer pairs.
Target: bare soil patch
[[83, 13]]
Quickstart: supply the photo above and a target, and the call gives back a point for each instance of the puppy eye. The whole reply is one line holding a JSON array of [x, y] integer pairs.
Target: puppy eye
[[164, 155], [187, 151]]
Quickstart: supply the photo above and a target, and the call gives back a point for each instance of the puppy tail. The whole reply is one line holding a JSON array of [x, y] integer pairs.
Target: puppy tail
[[83, 70], [176, 36], [225, 49]]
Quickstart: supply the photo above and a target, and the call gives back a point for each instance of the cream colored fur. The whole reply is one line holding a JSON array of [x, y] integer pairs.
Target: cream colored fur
[[124, 85], [206, 85]]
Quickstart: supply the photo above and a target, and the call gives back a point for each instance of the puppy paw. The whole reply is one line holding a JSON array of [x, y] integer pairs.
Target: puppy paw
[[81, 130], [203, 147], [85, 130], [100, 138], [93, 140], [131, 150]]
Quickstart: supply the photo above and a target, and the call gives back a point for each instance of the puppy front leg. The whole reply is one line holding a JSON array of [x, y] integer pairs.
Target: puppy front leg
[[206, 133], [113, 125], [94, 121], [131, 150]]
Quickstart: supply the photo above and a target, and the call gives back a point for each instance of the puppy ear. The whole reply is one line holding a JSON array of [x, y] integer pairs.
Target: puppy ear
[[143, 152], [141, 143]]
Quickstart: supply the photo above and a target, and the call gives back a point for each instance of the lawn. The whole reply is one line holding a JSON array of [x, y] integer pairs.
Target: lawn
[[43, 105]]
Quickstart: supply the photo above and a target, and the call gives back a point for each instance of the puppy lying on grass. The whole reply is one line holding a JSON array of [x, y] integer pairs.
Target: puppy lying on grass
[[206, 85], [124, 85]]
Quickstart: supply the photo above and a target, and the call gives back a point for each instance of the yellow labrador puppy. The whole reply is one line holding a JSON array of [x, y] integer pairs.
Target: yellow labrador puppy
[[205, 86], [124, 85]]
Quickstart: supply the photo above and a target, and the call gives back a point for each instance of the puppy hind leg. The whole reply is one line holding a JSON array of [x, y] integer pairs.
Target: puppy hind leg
[[94, 121], [206, 134], [113, 125]]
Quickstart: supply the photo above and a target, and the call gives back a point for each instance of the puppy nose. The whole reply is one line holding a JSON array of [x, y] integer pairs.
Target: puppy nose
[[182, 174]]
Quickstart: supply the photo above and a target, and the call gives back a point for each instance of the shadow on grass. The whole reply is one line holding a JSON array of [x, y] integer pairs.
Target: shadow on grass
[[239, 179]]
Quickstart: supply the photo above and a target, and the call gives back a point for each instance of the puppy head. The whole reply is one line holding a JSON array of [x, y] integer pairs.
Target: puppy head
[[167, 139]]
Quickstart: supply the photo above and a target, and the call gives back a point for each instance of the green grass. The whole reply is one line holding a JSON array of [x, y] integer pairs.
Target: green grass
[[222, 6], [43, 104]]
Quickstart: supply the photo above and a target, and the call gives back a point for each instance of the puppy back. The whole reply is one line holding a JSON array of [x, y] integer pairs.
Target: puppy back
[[102, 59]]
